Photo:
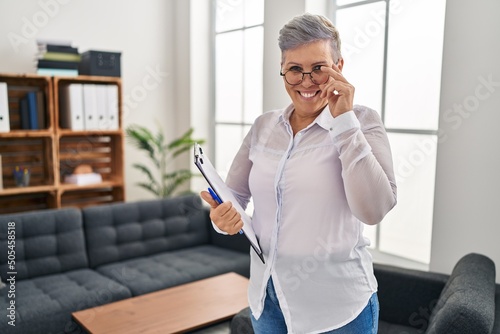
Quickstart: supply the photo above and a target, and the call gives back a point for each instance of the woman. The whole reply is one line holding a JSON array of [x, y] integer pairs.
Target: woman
[[317, 171]]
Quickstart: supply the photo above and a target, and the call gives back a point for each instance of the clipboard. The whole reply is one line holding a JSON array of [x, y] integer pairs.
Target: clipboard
[[222, 191]]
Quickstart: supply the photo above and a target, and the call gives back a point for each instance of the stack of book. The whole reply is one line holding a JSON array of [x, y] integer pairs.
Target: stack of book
[[32, 110], [57, 58], [28, 108]]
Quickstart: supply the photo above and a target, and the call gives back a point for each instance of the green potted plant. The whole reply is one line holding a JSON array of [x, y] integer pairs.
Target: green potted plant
[[159, 181]]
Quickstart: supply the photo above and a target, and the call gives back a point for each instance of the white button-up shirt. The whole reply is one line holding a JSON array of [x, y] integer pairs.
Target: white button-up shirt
[[312, 194]]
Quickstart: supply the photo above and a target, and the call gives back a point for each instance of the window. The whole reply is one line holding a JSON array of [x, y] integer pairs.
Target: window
[[393, 55], [239, 39]]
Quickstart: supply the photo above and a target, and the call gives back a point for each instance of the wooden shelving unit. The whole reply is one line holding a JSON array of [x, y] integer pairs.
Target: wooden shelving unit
[[52, 152]]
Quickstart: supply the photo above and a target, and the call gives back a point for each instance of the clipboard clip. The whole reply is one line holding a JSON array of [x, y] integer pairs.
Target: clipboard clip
[[197, 152]]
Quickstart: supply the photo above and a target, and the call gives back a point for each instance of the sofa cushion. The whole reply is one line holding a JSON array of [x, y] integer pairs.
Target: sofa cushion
[[46, 242], [54, 297], [467, 302], [156, 272], [125, 231]]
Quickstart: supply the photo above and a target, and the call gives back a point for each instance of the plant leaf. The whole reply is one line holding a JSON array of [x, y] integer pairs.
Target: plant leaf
[[146, 171], [143, 139], [176, 179], [176, 142], [140, 137], [149, 187]]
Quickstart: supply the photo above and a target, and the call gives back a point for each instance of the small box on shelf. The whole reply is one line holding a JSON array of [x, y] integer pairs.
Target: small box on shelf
[[83, 175], [83, 179], [101, 63]]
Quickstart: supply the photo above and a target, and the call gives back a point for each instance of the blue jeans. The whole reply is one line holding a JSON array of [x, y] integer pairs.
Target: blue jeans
[[272, 321]]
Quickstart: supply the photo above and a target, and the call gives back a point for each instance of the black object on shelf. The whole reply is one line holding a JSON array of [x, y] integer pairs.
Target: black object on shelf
[[101, 63]]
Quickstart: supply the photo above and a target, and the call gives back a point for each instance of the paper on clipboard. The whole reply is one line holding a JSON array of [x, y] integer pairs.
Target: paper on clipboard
[[224, 193]]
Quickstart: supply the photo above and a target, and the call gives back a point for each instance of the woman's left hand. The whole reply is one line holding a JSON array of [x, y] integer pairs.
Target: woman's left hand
[[338, 91]]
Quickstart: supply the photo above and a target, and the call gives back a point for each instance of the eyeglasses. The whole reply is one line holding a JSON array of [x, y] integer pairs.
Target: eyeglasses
[[294, 77]]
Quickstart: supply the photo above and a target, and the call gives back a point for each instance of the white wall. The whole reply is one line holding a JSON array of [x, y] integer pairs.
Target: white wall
[[467, 193], [142, 30], [276, 14], [202, 80]]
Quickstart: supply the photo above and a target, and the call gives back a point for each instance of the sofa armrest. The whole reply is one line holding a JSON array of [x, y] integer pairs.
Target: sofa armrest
[[496, 325], [467, 302], [407, 297]]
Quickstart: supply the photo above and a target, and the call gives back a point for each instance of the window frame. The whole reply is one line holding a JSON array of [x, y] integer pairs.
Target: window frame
[[243, 125], [376, 250]]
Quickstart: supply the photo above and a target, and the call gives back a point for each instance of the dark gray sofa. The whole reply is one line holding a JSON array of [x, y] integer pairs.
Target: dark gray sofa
[[69, 259], [413, 301]]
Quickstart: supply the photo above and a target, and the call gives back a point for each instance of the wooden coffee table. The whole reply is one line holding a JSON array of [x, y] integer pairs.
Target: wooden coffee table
[[178, 309]]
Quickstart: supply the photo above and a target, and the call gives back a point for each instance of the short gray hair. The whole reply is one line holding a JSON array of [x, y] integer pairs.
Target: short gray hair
[[309, 28]]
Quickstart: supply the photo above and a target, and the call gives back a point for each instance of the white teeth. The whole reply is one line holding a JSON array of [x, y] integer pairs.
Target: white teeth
[[307, 94]]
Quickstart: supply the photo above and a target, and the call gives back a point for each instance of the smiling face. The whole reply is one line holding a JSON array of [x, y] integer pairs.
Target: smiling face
[[306, 58]]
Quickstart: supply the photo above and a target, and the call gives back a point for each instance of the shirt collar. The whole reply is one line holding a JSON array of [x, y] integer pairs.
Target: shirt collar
[[285, 114], [324, 119]]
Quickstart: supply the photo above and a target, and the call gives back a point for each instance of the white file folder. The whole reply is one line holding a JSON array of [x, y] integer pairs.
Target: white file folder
[[71, 107], [112, 107], [101, 93], [4, 108], [91, 121], [225, 194]]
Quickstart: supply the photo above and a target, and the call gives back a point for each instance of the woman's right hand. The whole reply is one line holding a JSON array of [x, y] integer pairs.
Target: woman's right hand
[[224, 215]]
